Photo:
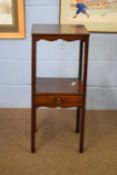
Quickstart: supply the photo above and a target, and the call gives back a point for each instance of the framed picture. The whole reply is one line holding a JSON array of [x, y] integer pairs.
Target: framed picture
[[96, 15], [12, 19]]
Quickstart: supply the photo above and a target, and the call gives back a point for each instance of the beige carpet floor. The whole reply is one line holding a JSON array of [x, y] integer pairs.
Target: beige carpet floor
[[57, 144]]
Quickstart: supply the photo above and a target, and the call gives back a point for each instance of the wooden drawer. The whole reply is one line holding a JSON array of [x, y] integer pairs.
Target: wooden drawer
[[58, 100]]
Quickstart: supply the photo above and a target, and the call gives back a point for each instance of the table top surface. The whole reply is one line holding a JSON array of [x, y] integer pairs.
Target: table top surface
[[59, 29]]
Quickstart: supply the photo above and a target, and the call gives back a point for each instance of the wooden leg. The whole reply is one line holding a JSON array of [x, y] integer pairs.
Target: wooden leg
[[77, 120], [82, 123], [33, 126]]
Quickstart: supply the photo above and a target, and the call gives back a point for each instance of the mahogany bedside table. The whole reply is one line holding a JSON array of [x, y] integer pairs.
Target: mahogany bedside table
[[62, 92]]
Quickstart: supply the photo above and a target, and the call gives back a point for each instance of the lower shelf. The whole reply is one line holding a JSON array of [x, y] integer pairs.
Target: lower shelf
[[61, 86]]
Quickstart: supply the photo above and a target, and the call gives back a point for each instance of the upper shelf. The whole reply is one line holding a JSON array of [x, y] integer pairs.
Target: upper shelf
[[62, 31]]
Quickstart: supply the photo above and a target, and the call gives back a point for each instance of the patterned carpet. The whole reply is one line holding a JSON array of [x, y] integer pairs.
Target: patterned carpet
[[57, 144]]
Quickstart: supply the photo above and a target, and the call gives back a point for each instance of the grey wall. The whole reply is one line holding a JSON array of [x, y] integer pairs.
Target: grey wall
[[59, 57]]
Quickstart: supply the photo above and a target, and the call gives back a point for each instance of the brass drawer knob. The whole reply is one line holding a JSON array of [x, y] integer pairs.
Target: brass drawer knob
[[58, 101]]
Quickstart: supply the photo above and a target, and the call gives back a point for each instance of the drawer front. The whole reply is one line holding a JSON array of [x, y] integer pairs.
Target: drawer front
[[58, 100]]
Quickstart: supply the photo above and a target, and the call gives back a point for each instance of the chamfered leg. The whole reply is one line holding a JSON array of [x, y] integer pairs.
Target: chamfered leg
[[78, 120], [82, 127]]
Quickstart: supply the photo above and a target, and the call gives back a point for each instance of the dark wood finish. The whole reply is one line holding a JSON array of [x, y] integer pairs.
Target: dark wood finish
[[62, 92], [33, 109]]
